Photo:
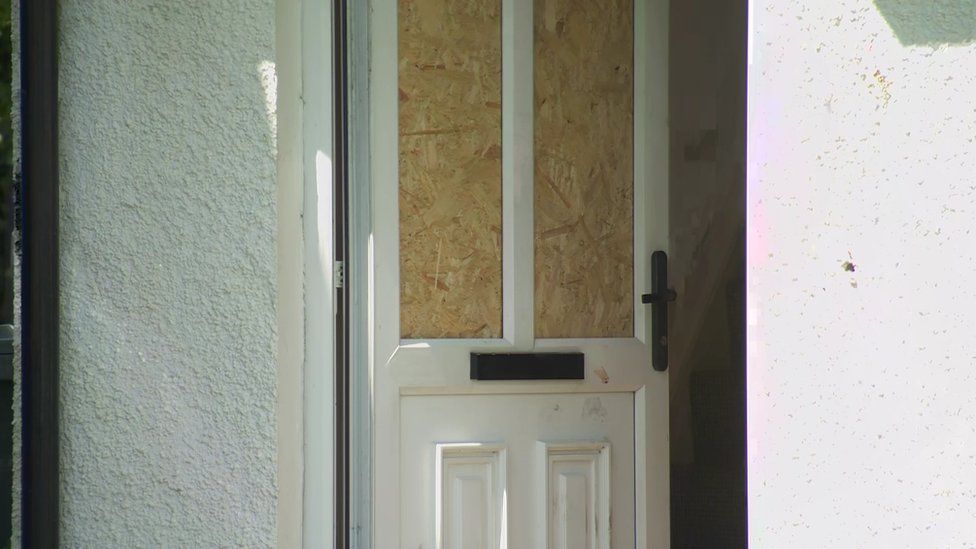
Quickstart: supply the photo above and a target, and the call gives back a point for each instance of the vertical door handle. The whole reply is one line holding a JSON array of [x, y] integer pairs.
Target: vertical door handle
[[659, 298]]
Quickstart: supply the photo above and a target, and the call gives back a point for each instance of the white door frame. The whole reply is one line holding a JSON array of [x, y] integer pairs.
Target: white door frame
[[358, 284], [374, 228], [318, 391], [299, 83]]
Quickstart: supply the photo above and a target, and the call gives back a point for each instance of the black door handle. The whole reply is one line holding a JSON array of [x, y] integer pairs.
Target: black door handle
[[659, 297]]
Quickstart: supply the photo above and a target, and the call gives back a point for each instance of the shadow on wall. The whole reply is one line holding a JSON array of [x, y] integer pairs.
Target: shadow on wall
[[931, 22]]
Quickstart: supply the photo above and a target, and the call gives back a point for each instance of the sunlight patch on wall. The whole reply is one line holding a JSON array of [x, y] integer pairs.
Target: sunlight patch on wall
[[268, 74]]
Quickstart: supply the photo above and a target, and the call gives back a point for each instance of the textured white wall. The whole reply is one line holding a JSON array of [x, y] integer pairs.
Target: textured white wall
[[168, 273], [862, 386]]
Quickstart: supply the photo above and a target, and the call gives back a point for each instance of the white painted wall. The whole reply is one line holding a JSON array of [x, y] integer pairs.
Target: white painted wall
[[862, 386], [169, 281]]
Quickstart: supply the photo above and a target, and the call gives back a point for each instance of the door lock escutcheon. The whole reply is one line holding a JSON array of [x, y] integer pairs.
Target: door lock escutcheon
[[659, 298]]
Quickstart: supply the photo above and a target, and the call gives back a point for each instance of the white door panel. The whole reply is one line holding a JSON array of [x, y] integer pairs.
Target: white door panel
[[543, 470]]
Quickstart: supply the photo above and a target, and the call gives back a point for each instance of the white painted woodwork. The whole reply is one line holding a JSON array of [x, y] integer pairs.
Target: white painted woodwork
[[577, 493], [319, 284], [518, 453], [469, 489], [421, 394]]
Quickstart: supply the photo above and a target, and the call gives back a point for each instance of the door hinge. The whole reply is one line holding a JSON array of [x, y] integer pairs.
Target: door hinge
[[338, 274]]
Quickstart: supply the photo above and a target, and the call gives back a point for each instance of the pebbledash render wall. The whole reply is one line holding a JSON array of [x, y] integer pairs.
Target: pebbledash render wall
[[169, 274], [862, 273]]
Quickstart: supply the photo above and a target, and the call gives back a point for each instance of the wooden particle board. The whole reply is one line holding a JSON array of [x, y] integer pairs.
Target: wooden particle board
[[450, 172], [584, 166]]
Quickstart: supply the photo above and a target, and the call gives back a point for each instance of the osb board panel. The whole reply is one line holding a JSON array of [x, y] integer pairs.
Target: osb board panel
[[584, 168], [450, 68]]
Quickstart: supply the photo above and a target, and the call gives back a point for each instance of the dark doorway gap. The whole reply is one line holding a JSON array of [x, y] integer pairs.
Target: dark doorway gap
[[708, 109], [8, 183], [40, 270]]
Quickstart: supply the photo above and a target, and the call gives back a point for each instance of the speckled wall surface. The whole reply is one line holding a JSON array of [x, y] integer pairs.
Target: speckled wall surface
[[862, 274], [168, 274]]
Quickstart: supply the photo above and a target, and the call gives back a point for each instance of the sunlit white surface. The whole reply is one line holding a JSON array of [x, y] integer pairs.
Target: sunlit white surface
[[862, 276]]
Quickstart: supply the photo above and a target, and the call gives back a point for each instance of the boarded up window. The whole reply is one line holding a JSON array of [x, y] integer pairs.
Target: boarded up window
[[584, 168], [450, 168]]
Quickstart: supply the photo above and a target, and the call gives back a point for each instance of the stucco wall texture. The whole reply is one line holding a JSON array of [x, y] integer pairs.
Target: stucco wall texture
[[168, 273], [862, 274]]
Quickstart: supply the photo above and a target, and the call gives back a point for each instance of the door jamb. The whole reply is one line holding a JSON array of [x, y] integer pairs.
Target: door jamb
[[358, 277], [318, 499]]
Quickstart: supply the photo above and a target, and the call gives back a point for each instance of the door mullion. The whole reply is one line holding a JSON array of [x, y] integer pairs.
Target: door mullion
[[518, 246]]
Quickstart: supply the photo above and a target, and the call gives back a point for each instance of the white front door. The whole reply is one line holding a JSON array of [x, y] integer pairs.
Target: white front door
[[518, 163]]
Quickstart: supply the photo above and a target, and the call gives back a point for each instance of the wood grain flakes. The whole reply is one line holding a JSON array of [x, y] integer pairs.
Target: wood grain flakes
[[450, 168], [584, 166]]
